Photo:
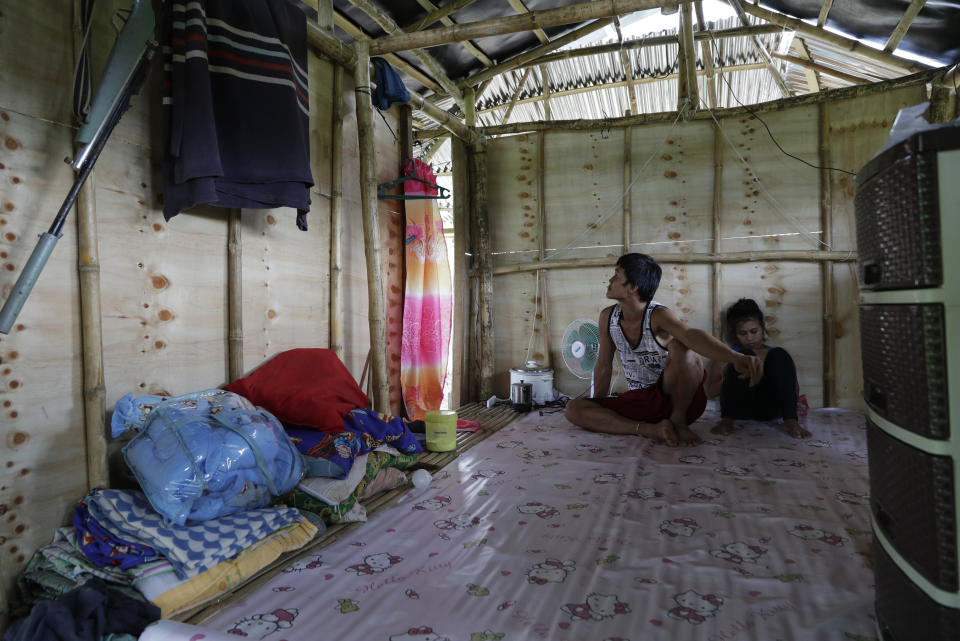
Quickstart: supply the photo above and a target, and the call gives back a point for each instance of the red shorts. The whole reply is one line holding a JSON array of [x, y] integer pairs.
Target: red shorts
[[651, 404]]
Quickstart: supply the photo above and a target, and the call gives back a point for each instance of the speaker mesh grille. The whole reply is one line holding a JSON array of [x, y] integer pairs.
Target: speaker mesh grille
[[904, 350], [898, 226], [904, 612], [912, 499]]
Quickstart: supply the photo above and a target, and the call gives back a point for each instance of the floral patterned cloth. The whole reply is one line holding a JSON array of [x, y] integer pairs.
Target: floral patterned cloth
[[547, 531]]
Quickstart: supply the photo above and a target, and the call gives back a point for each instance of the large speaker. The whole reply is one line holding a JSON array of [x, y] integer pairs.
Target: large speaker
[[908, 240]]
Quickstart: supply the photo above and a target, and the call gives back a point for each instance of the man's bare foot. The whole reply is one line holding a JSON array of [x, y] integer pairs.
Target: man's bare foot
[[661, 432], [794, 429], [686, 436], [725, 426]]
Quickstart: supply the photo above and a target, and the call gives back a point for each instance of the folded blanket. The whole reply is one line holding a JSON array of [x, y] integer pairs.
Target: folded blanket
[[159, 583], [192, 548]]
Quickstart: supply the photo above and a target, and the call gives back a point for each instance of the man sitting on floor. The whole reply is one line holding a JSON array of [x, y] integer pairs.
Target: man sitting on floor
[[660, 356]]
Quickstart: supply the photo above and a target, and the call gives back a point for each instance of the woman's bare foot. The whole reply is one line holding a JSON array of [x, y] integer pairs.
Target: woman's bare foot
[[686, 436], [725, 426], [794, 429], [661, 432]]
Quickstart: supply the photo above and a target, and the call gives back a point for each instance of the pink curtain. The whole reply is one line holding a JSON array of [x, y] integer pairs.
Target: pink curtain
[[427, 301]]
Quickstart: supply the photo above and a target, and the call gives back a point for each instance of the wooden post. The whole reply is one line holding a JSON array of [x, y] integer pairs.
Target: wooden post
[[484, 271], [627, 188], [689, 94], [826, 268], [336, 216], [462, 373], [234, 296], [371, 231], [545, 83], [706, 52], [91, 326], [716, 270]]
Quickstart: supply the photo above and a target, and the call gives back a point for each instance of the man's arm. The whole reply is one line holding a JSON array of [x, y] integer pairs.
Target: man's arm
[[604, 367], [663, 319]]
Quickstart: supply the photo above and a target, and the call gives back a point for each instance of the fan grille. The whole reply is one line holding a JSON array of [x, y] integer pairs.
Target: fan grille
[[581, 347]]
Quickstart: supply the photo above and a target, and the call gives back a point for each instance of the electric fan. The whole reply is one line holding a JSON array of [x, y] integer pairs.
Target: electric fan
[[581, 347]]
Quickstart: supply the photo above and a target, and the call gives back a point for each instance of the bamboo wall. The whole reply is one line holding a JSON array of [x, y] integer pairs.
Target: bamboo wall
[[164, 285], [767, 202]]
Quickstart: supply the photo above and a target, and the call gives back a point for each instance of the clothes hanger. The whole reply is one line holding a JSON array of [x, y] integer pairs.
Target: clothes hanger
[[410, 173]]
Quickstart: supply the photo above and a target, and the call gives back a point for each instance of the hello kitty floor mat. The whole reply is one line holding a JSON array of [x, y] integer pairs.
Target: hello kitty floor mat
[[546, 531]]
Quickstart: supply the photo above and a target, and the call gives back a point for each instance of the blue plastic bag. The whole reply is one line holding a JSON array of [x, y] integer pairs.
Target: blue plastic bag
[[206, 454]]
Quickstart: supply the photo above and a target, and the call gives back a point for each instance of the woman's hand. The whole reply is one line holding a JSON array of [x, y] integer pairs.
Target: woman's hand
[[749, 367]]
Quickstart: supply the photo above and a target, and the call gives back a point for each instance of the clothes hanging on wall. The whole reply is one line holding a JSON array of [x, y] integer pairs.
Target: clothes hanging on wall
[[236, 106], [390, 88], [428, 300]]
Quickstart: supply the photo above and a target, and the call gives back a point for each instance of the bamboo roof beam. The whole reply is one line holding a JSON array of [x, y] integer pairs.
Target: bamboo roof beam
[[905, 21], [824, 10], [819, 33], [533, 56], [469, 46], [617, 84], [813, 79], [627, 68], [388, 24], [437, 14], [688, 96], [519, 7], [706, 53], [813, 66], [516, 94], [545, 83], [346, 56], [843, 93], [655, 41], [398, 63], [569, 14], [798, 255], [762, 50]]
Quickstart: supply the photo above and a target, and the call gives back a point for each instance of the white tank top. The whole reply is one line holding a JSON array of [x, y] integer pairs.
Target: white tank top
[[643, 364]]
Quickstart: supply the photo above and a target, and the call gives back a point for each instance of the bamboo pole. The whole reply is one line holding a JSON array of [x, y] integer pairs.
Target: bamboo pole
[[399, 63], [762, 50], [545, 83], [789, 255], [371, 231], [828, 36], [826, 268], [441, 117], [533, 56], [388, 24], [481, 236], [706, 52], [627, 76], [91, 324], [814, 66], [437, 15], [234, 296], [843, 93], [716, 270], [813, 80], [461, 288], [516, 94], [519, 7], [824, 10], [469, 46], [336, 217], [542, 245], [688, 96], [627, 189], [643, 43], [622, 83], [512, 24], [905, 21]]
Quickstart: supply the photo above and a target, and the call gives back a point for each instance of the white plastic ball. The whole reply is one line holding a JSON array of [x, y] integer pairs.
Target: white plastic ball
[[421, 478]]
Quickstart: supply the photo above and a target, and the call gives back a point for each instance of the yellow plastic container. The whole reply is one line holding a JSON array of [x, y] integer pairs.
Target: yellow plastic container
[[441, 430]]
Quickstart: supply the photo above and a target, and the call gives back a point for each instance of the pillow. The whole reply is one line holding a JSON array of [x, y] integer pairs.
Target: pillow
[[308, 387]]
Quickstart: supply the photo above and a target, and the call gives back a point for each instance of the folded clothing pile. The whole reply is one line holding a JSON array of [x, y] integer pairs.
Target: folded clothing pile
[[206, 454]]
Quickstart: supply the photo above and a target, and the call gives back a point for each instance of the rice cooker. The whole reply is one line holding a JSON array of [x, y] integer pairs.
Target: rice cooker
[[539, 377]]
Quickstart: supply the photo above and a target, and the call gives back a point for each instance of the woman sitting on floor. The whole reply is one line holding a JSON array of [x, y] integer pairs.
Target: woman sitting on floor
[[775, 396]]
